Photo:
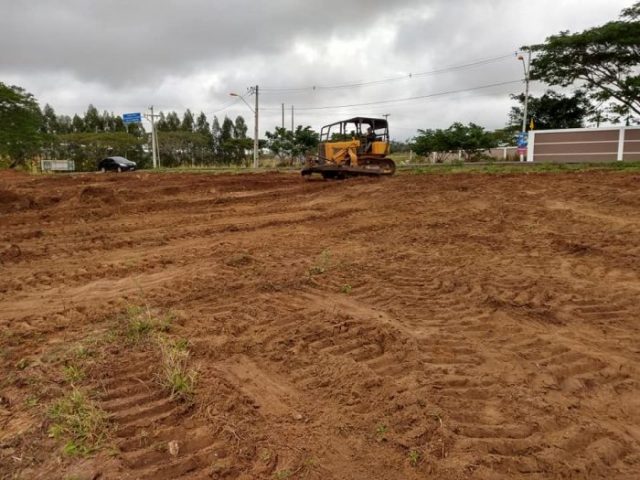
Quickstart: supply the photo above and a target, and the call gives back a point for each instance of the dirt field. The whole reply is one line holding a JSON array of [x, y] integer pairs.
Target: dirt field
[[431, 326]]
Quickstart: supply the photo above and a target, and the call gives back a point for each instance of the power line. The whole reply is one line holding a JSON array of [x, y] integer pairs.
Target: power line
[[230, 104], [396, 100], [391, 79], [250, 92]]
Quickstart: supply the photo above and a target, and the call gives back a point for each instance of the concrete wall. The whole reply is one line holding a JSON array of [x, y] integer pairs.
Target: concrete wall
[[584, 145]]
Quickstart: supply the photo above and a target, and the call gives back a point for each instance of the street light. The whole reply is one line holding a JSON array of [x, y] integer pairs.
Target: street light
[[255, 111], [526, 66], [527, 70], [242, 98]]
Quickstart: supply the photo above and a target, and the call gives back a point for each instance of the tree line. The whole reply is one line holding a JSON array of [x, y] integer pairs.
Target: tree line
[[26, 131], [189, 140]]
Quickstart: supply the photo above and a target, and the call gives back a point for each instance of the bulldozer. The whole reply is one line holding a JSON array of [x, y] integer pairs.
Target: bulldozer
[[355, 147]]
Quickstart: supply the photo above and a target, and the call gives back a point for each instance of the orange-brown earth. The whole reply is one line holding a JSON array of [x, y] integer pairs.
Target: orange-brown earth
[[445, 327]]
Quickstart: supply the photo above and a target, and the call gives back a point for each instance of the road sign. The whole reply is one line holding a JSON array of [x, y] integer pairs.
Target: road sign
[[522, 150], [132, 118], [522, 139]]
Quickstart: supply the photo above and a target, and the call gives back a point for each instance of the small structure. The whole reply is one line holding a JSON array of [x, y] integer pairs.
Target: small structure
[[57, 165]]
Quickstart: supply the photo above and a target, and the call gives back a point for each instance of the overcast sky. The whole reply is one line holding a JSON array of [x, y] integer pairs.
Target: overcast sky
[[123, 55]]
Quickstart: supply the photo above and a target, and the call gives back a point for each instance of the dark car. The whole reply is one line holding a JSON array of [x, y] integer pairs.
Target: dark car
[[118, 164]]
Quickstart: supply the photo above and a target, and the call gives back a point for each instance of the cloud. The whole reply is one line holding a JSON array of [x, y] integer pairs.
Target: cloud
[[124, 56]]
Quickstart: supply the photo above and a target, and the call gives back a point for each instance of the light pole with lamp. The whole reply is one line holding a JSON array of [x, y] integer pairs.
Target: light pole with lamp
[[252, 90], [527, 70]]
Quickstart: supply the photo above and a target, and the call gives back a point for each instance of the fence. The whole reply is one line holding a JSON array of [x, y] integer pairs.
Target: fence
[[584, 145], [501, 154]]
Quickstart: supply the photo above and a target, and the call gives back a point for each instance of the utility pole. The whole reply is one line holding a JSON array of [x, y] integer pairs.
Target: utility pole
[[527, 70], [292, 118], [255, 134], [153, 139], [283, 116], [251, 90], [155, 151], [386, 116]]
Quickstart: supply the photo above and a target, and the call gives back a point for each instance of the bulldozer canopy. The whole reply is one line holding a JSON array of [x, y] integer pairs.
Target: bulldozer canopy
[[356, 127]]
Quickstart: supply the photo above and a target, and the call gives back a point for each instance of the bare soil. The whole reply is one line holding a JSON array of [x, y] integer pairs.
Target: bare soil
[[442, 327]]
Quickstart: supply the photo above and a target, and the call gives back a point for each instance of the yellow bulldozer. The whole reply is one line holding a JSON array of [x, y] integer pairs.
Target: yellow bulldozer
[[354, 147]]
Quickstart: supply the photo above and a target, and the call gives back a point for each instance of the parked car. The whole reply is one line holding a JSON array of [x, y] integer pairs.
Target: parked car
[[117, 164]]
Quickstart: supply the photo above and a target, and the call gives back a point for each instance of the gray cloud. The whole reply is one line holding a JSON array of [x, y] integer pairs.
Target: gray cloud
[[123, 56]]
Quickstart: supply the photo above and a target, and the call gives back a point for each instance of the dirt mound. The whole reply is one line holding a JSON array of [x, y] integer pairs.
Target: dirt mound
[[11, 201], [10, 173], [98, 195]]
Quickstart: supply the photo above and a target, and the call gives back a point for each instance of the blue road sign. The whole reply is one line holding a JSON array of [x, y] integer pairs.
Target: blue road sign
[[522, 139], [132, 118]]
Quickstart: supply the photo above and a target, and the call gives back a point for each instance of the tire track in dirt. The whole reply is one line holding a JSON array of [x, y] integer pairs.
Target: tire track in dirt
[[149, 424]]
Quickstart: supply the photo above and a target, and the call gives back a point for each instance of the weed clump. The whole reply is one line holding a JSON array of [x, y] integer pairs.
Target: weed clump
[[73, 374], [346, 289], [414, 458], [175, 374], [141, 323], [80, 422], [322, 264]]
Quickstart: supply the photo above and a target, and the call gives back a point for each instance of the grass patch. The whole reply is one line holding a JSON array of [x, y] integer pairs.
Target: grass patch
[[322, 263], [175, 374], [414, 458], [79, 422], [81, 352], [282, 474], [504, 168], [73, 374], [381, 432], [22, 363], [346, 289], [140, 323]]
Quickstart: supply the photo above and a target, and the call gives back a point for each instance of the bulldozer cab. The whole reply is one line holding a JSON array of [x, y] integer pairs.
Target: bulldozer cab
[[371, 134]]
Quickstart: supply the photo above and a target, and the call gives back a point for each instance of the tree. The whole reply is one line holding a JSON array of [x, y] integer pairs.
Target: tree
[[232, 141], [432, 141], [240, 127], [398, 147], [77, 124], [65, 124], [173, 122], [21, 124], [471, 139], [93, 122], [49, 120], [216, 134], [552, 110], [227, 130], [161, 124], [603, 60], [305, 140], [280, 142], [286, 144], [188, 122], [202, 125]]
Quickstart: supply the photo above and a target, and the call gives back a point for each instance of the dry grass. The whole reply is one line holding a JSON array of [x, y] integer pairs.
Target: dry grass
[[176, 375]]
